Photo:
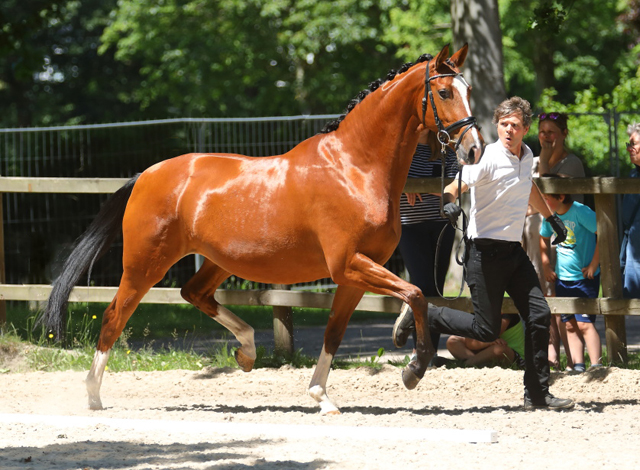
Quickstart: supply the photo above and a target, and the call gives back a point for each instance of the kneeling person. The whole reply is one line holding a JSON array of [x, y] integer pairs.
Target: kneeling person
[[506, 351]]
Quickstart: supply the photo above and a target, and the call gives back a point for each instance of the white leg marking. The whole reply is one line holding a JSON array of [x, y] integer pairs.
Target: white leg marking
[[241, 330], [318, 385], [94, 378]]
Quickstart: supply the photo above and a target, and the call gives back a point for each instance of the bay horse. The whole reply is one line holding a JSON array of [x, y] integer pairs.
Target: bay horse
[[327, 208]]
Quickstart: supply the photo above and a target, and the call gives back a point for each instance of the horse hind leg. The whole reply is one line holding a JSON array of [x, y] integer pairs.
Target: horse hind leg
[[130, 292], [199, 291], [344, 303]]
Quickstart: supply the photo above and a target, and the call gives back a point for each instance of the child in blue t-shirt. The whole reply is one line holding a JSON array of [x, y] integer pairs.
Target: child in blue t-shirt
[[577, 272]]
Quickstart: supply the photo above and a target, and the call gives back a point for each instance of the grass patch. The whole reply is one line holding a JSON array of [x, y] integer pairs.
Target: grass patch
[[155, 321]]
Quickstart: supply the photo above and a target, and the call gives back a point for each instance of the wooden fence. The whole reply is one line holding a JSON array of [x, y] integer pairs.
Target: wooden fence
[[611, 305]]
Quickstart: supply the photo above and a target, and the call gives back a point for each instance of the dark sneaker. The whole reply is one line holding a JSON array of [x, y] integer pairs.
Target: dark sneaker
[[403, 327], [550, 402]]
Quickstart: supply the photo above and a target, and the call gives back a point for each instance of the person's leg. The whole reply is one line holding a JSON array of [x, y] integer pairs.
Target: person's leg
[[500, 354], [554, 344], [487, 275], [576, 343], [591, 338], [457, 348], [563, 336], [418, 250], [524, 289]]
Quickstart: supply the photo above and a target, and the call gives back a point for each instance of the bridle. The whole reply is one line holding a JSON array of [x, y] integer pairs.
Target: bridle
[[444, 133], [444, 137]]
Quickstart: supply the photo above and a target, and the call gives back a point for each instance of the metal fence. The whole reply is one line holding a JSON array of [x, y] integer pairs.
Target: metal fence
[[41, 228]]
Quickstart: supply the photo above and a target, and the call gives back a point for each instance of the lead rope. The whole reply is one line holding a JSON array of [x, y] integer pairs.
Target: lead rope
[[464, 241]]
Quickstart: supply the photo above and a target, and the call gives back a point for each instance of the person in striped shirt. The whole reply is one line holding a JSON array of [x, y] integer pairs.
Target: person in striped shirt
[[422, 225]]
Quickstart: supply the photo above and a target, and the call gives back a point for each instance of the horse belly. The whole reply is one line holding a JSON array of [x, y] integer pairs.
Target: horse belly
[[267, 262]]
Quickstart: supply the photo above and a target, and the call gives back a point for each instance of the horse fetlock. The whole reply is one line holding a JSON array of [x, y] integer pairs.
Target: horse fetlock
[[93, 391]]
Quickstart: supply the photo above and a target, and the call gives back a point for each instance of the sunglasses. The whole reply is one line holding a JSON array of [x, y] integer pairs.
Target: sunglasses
[[631, 144], [552, 116]]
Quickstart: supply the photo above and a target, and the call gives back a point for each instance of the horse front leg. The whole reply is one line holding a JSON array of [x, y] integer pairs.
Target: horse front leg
[[372, 277], [344, 303]]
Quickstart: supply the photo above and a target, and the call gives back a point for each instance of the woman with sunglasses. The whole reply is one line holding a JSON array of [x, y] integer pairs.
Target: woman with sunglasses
[[630, 250], [556, 159]]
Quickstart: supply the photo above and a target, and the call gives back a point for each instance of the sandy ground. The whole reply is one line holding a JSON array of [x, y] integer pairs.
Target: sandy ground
[[228, 419]]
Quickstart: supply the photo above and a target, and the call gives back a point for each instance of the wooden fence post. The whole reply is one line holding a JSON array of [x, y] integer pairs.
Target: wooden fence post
[[283, 325], [3, 303], [615, 330]]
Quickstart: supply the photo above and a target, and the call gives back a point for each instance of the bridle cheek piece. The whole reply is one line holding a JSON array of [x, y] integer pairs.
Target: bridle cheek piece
[[444, 136]]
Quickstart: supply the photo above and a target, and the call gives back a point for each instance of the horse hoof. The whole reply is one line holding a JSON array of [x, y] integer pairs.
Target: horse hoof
[[244, 361], [409, 378], [95, 404]]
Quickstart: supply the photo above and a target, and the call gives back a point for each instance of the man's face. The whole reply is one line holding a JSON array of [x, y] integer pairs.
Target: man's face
[[511, 131]]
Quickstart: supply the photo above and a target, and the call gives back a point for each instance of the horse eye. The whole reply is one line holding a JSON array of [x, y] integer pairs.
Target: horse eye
[[444, 94]]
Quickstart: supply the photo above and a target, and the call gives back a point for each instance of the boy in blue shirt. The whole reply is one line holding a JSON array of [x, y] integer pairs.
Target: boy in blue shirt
[[577, 272]]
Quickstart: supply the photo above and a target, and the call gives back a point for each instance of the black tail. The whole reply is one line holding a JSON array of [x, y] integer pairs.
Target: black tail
[[88, 248]]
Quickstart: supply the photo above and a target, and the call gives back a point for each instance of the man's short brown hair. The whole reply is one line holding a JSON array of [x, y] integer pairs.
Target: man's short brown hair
[[513, 105]]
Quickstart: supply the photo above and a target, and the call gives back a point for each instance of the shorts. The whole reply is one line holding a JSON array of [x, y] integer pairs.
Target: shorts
[[586, 288]]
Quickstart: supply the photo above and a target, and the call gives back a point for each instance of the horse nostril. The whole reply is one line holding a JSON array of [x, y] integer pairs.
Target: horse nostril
[[472, 155], [475, 154]]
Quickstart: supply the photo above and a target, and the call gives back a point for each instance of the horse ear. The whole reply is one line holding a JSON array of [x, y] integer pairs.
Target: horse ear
[[443, 55], [459, 57]]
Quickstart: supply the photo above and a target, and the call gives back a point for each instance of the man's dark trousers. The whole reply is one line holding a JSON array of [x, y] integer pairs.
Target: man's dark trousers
[[493, 268]]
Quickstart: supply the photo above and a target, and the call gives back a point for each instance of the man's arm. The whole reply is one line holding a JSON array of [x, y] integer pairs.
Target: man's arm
[[537, 201], [451, 190]]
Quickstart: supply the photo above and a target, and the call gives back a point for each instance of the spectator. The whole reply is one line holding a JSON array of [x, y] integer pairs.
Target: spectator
[[506, 351], [501, 186], [630, 250], [555, 158], [422, 225], [577, 272]]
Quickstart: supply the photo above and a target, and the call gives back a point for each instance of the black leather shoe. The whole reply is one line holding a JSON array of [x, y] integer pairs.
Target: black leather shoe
[[550, 402], [403, 327]]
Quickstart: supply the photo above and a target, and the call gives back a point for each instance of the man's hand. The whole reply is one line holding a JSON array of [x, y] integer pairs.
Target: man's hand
[[452, 212], [558, 227]]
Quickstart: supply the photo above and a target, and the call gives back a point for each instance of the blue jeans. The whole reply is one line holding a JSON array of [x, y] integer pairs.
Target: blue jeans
[[493, 268]]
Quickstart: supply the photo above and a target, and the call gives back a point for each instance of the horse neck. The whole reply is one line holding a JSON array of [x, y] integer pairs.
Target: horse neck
[[381, 133]]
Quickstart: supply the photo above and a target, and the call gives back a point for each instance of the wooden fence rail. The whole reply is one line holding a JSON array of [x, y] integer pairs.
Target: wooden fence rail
[[612, 306]]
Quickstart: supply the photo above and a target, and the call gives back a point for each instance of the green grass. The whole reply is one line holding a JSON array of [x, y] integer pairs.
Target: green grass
[[154, 321], [43, 353]]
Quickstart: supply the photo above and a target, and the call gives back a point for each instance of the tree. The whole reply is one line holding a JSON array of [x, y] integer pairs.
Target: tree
[[244, 58], [22, 49], [477, 22], [568, 45], [50, 72]]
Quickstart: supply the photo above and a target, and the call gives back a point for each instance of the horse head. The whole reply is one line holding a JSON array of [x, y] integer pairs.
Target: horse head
[[445, 106]]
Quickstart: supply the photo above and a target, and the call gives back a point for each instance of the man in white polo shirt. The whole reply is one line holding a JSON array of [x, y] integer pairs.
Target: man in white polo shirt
[[501, 188]]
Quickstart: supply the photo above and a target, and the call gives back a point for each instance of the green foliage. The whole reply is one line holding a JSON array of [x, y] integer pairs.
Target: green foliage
[[553, 43], [233, 57], [416, 27]]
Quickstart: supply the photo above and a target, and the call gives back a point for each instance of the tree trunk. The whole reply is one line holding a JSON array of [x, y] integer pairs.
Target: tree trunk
[[477, 22]]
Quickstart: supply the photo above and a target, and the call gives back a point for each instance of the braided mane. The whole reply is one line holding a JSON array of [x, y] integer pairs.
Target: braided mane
[[373, 86]]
